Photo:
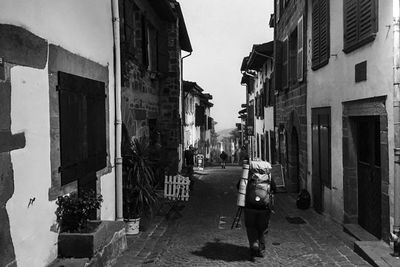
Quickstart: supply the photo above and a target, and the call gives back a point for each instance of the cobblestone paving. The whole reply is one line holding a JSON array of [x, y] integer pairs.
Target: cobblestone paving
[[202, 237]]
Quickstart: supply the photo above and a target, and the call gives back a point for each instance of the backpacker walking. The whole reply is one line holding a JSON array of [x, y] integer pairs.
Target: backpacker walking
[[223, 158], [258, 206]]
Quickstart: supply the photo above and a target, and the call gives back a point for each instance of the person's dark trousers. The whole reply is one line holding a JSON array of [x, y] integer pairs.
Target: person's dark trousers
[[256, 222], [189, 173]]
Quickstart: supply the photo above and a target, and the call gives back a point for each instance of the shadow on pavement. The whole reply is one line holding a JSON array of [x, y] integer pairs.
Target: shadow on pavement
[[223, 251]]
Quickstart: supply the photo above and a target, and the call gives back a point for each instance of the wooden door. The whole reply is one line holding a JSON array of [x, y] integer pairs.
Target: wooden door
[[369, 177], [321, 155]]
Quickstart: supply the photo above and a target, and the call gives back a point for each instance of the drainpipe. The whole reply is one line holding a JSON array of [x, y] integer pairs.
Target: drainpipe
[[118, 120]]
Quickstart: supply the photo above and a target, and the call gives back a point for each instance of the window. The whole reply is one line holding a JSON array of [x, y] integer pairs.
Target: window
[[293, 57], [321, 144], [82, 126], [285, 64], [320, 33], [144, 36], [152, 48], [128, 34], [250, 114], [360, 23], [262, 103], [199, 116], [210, 123], [300, 54]]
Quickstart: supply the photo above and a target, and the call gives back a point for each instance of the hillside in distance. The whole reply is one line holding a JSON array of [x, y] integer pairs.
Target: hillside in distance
[[224, 133]]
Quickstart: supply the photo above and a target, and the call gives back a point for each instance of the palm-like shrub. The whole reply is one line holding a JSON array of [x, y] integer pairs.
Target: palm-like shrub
[[138, 188]]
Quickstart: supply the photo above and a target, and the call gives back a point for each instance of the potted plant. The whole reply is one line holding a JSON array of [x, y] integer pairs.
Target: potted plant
[[139, 192], [73, 211]]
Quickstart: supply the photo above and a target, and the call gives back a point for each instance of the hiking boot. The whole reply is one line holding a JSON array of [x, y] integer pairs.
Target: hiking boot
[[253, 254], [261, 253]]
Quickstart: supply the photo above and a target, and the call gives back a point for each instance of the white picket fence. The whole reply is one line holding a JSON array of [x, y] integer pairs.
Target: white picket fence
[[176, 187]]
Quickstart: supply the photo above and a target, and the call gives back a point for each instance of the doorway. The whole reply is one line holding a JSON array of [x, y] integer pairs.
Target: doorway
[[321, 155], [369, 174]]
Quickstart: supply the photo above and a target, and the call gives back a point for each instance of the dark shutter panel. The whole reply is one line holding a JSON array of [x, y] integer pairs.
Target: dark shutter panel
[[72, 135], [278, 65], [209, 123], [271, 93], [300, 54], [153, 61], [199, 116], [285, 65], [162, 52], [128, 26], [250, 116], [320, 34], [82, 111], [315, 33], [367, 18], [145, 56], [350, 23], [96, 137], [266, 93], [324, 32]]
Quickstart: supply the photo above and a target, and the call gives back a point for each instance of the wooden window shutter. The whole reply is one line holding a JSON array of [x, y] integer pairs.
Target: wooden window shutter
[[266, 93], [285, 65], [145, 57], [257, 113], [315, 33], [199, 116], [324, 33], [300, 54], [350, 20], [263, 102], [82, 109], [250, 115], [360, 23], [278, 65], [96, 126], [320, 34], [162, 52], [73, 145]]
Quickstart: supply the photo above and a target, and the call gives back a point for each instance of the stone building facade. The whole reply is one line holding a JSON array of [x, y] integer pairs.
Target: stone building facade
[[198, 122], [291, 91], [153, 34]]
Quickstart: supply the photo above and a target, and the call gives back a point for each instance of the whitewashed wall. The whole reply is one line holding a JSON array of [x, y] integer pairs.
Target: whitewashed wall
[[84, 28], [334, 83]]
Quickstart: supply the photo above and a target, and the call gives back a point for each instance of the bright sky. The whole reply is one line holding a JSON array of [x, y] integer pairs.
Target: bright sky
[[222, 32]]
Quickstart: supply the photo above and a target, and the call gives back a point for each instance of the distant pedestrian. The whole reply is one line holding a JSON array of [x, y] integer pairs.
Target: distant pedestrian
[[223, 158], [189, 163], [258, 206]]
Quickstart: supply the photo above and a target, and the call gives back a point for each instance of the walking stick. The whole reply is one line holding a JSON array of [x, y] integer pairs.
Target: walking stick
[[241, 194], [236, 220]]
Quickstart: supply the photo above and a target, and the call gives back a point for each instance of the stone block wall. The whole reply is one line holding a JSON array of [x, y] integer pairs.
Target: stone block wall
[[170, 119], [290, 106]]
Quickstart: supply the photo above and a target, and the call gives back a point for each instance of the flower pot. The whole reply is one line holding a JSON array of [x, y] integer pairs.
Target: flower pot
[[132, 226]]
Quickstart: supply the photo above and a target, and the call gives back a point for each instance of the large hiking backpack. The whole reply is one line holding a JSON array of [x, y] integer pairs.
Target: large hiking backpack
[[258, 192]]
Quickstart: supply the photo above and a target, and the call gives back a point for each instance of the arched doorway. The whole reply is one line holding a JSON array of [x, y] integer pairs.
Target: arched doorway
[[294, 161]]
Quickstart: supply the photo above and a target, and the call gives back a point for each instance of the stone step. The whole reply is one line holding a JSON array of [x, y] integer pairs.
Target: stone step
[[377, 253], [358, 232], [70, 262], [152, 239]]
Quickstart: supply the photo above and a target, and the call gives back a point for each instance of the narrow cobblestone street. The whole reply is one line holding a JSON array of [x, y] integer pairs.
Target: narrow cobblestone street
[[202, 236]]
